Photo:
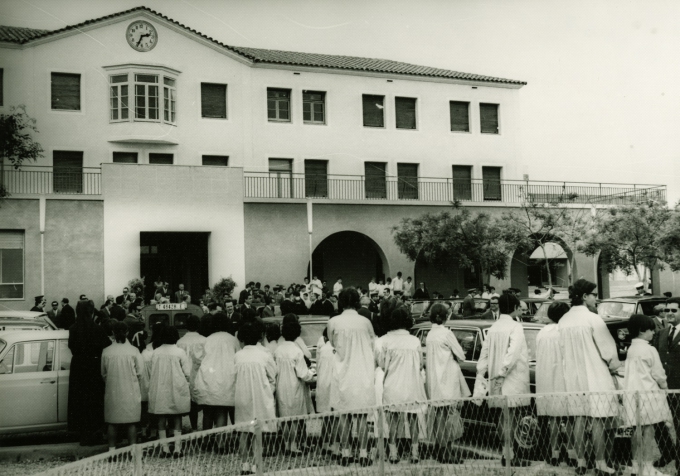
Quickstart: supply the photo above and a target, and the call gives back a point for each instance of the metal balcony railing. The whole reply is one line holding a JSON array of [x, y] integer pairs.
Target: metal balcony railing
[[280, 185], [35, 179]]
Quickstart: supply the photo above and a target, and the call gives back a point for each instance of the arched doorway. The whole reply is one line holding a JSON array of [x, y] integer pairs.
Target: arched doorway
[[351, 255], [528, 270]]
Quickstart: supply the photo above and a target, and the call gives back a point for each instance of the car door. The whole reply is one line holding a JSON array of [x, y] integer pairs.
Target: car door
[[63, 368], [471, 341], [29, 391]]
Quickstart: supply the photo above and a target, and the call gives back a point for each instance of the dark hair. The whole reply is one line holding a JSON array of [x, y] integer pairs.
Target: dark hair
[[639, 323], [84, 310], [676, 300], [108, 301], [221, 323], [400, 319], [248, 314], [382, 322], [120, 330], [212, 306], [291, 330], [65, 300], [251, 332], [507, 303], [557, 310], [157, 334], [170, 335], [290, 317], [193, 323], [668, 294], [348, 299], [455, 291], [119, 300], [438, 313], [267, 300], [273, 332], [578, 289]]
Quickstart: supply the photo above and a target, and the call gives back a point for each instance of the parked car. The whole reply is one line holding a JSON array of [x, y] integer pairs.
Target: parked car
[[34, 375], [420, 309], [174, 314], [25, 321], [624, 307], [312, 329]]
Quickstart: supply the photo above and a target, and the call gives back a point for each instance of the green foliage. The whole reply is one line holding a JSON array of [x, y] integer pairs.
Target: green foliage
[[222, 289], [16, 137], [670, 240], [136, 285]]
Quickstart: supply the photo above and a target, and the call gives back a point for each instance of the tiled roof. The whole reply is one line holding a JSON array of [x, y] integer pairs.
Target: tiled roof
[[258, 55]]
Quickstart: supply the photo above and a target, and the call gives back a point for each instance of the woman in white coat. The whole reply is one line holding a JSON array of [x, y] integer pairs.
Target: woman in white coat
[[590, 356], [445, 382]]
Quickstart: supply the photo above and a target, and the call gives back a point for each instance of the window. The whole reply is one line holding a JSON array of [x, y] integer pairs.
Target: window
[[216, 160], [11, 264], [488, 115], [66, 91], [33, 357], [214, 100], [2, 87], [147, 91], [491, 178], [161, 159], [7, 362], [408, 181], [125, 158], [65, 356], [316, 178], [470, 341], [67, 174], [462, 182], [374, 107], [278, 104], [314, 107], [376, 184], [281, 177], [405, 110], [169, 100], [146, 97], [460, 116], [119, 97]]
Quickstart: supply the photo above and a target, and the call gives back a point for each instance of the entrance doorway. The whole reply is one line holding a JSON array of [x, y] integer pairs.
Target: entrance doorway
[[177, 258]]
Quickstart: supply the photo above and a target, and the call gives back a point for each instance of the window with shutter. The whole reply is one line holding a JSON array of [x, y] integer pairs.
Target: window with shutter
[[278, 104], [67, 171], [460, 116], [214, 100], [491, 179], [408, 181], [11, 264], [374, 107], [405, 110], [281, 177], [216, 160], [488, 115], [66, 91], [161, 159], [375, 179], [2, 87], [125, 158], [314, 107], [462, 182], [316, 178]]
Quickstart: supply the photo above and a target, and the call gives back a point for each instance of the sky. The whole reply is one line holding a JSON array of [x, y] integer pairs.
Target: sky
[[601, 104]]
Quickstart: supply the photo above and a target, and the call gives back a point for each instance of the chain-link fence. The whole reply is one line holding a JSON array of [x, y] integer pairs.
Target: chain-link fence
[[540, 434]]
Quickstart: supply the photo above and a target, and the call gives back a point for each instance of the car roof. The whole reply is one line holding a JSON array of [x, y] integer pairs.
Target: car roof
[[302, 319], [634, 299], [18, 336], [22, 314], [478, 323]]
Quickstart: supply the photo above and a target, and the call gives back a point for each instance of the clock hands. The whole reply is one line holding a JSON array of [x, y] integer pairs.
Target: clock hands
[[142, 36]]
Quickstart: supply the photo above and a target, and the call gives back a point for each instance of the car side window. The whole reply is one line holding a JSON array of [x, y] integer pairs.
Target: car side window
[[65, 355], [470, 341], [7, 362], [34, 357]]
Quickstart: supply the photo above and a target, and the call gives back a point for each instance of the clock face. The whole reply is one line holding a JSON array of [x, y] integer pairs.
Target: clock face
[[141, 35]]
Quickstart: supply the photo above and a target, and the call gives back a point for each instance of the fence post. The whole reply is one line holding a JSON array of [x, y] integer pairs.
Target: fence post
[[137, 451], [380, 440], [507, 437], [257, 450], [638, 432]]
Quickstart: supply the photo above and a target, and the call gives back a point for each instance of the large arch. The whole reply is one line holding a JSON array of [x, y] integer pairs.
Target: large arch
[[351, 255], [526, 272]]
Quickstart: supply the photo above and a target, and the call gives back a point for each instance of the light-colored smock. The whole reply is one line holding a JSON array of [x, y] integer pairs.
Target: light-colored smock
[[169, 385], [122, 369], [215, 378], [505, 354], [645, 374], [255, 386], [549, 373], [301, 344], [351, 334], [445, 380], [193, 344], [588, 352], [292, 393], [325, 369], [400, 358], [271, 346]]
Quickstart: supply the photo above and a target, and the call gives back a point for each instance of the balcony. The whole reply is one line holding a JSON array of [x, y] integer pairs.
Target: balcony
[[37, 180], [286, 186]]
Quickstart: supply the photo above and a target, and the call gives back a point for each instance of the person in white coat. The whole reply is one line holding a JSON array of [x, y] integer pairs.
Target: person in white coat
[[193, 344], [122, 369], [351, 334], [292, 393], [255, 387], [445, 382], [403, 388], [590, 357], [550, 379], [325, 372], [644, 374], [505, 358]]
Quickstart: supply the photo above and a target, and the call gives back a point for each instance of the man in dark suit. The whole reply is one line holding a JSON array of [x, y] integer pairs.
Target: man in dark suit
[[68, 315], [421, 294], [245, 293], [493, 312], [469, 303], [117, 310], [668, 345], [247, 304], [125, 295], [180, 294], [363, 310], [268, 309]]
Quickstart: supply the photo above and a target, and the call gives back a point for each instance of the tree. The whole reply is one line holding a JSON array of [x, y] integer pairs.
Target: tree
[[628, 237], [16, 141], [222, 289], [670, 240], [473, 241]]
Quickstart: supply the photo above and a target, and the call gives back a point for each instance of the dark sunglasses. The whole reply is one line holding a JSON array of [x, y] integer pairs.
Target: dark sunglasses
[[670, 310]]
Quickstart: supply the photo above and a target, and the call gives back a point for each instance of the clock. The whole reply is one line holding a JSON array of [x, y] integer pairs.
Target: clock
[[141, 35]]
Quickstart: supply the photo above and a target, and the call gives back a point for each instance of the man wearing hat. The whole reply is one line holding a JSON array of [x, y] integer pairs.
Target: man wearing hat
[[39, 304], [640, 290], [469, 303]]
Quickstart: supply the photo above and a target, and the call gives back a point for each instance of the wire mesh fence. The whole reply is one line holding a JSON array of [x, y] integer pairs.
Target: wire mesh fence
[[614, 433]]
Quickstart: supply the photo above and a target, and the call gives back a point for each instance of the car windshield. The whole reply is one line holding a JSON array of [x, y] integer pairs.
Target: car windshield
[[311, 332], [542, 311], [616, 309], [530, 337]]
